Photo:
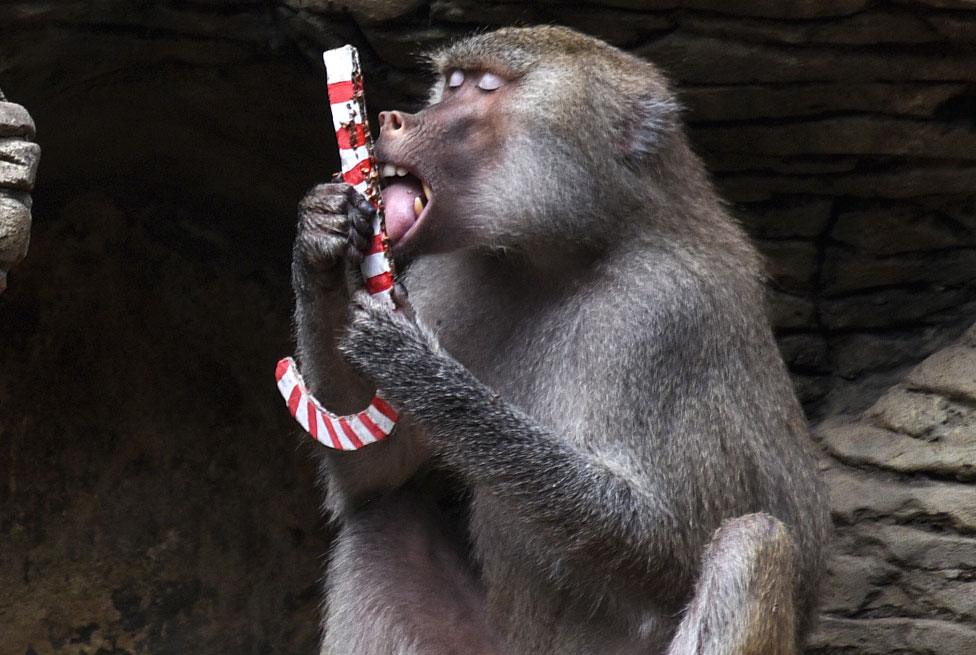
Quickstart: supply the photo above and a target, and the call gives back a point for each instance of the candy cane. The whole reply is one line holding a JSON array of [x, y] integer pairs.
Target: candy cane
[[352, 432]]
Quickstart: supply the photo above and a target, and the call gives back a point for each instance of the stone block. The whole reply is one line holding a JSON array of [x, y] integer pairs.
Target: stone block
[[914, 180], [875, 27], [485, 13], [805, 352], [951, 371], [860, 444], [884, 636], [791, 265], [847, 271], [892, 307], [886, 229], [692, 58], [15, 121], [18, 163], [857, 496], [797, 217], [15, 224], [364, 11], [923, 549], [810, 388], [788, 311], [925, 415], [848, 135], [852, 355], [850, 581], [738, 102]]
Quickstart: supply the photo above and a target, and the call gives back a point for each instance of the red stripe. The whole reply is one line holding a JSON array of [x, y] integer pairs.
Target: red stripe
[[376, 245], [296, 395], [340, 92], [313, 423], [333, 437], [281, 369], [357, 173], [353, 437], [352, 136], [379, 283], [372, 427], [384, 408]]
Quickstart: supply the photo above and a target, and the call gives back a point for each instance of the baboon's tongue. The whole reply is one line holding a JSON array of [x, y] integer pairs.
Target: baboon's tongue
[[398, 200]]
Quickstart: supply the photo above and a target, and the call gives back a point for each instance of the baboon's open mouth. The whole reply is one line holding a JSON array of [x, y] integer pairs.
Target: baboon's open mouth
[[406, 197]]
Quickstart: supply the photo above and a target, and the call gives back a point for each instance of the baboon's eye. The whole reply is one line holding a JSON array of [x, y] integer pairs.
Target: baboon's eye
[[456, 79], [490, 82]]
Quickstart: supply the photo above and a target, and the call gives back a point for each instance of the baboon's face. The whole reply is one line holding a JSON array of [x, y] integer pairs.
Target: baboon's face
[[438, 164]]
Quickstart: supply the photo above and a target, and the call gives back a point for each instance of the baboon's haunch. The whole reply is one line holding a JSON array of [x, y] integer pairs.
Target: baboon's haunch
[[602, 452]]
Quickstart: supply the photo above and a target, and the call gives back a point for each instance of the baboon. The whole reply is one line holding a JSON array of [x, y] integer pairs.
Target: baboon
[[601, 450]]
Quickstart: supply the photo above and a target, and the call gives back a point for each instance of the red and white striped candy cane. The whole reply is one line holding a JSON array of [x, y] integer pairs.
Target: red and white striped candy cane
[[352, 432]]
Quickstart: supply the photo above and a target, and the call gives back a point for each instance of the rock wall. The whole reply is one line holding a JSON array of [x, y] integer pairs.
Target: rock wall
[[151, 498], [903, 573], [18, 169]]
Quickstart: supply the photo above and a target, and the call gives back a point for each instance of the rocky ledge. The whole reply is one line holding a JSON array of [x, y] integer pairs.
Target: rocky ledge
[[902, 577], [18, 169]]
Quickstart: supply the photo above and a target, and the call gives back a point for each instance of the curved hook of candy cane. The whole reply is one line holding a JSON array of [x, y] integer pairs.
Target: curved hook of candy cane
[[351, 432]]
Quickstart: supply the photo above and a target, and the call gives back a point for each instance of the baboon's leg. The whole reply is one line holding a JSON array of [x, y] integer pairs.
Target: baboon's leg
[[744, 599]]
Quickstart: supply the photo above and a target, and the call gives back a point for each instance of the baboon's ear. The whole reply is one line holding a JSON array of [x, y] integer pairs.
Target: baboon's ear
[[652, 120]]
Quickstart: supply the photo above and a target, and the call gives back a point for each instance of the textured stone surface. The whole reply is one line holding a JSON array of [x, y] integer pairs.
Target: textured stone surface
[[886, 636], [15, 220], [366, 11], [869, 446], [950, 372], [727, 102], [18, 163], [692, 57], [15, 121], [901, 576], [19, 159], [884, 136]]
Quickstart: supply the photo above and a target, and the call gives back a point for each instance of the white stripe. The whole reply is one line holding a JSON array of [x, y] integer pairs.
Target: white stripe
[[301, 414], [343, 113], [375, 264], [383, 423], [323, 433], [285, 385], [349, 157], [377, 227], [288, 382], [340, 63], [343, 439], [361, 430]]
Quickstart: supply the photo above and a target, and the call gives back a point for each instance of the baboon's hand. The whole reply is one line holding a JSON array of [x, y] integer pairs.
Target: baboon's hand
[[334, 228], [388, 347]]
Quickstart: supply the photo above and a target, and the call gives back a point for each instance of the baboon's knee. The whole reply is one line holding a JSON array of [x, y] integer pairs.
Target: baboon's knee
[[763, 544], [744, 601]]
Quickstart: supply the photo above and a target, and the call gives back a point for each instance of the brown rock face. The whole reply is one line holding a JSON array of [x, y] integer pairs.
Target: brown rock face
[[901, 478], [151, 496]]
